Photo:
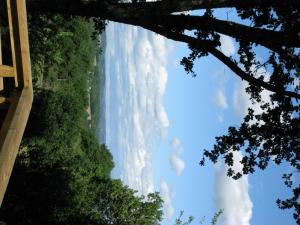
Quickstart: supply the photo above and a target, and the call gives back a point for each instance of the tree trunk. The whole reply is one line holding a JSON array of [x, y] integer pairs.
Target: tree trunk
[[105, 8]]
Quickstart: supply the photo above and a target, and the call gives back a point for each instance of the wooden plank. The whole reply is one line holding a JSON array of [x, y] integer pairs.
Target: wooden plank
[[1, 84], [11, 135], [7, 71], [0, 42], [22, 56], [12, 33], [1, 79]]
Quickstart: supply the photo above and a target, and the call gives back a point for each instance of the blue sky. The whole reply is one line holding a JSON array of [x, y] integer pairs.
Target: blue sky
[[159, 120]]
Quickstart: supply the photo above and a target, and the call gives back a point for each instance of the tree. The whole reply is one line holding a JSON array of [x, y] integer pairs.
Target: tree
[[274, 26], [119, 205], [65, 174]]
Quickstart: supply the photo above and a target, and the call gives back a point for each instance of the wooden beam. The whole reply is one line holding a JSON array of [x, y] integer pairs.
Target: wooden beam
[[20, 31], [11, 135], [1, 79], [7, 71], [1, 84], [0, 38], [12, 33]]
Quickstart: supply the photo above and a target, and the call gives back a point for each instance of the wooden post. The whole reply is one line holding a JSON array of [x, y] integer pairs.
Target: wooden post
[[1, 79], [12, 34]]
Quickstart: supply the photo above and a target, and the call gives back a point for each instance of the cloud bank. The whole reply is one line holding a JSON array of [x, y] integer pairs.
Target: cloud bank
[[136, 119], [233, 195]]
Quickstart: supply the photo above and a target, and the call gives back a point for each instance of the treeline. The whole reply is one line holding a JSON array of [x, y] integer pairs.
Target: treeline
[[97, 91], [62, 173]]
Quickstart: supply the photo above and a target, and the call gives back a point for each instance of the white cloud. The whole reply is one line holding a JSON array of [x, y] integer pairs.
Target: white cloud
[[227, 45], [167, 195], [233, 195], [220, 78], [135, 115], [220, 99], [176, 162]]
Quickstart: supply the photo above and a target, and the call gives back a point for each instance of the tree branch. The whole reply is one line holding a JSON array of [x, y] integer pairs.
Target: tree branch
[[235, 30], [268, 38], [173, 6], [105, 9], [207, 46]]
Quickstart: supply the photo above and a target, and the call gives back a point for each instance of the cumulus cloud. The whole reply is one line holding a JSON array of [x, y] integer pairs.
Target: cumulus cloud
[[220, 99], [176, 162], [167, 195], [227, 45], [233, 195], [136, 78]]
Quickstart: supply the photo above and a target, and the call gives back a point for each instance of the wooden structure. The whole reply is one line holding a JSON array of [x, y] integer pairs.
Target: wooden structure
[[17, 100]]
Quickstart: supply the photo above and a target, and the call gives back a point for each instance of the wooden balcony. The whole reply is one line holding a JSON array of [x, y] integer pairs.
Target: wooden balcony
[[15, 86]]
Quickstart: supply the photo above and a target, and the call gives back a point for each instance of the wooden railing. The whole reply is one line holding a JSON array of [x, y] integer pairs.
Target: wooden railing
[[16, 102]]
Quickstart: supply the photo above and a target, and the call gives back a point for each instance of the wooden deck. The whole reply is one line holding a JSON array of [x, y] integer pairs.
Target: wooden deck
[[19, 101]]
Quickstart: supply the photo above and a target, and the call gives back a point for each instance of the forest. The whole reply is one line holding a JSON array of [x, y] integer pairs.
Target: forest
[[62, 172]]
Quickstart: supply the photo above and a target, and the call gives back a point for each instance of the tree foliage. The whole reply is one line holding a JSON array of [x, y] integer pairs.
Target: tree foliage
[[118, 204], [190, 219], [62, 175]]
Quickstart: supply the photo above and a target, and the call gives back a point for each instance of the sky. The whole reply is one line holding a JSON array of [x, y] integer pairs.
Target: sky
[[159, 120]]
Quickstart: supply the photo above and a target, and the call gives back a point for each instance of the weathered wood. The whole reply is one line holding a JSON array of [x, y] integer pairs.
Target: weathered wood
[[20, 105]]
